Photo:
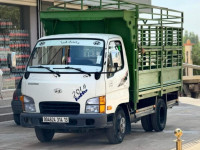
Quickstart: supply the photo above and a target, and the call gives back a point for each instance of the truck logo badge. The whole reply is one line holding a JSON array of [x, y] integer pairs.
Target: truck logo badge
[[96, 43], [42, 43], [85, 76], [33, 83], [57, 91]]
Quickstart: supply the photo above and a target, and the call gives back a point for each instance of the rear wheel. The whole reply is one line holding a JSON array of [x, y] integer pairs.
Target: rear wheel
[[44, 135], [116, 133], [146, 123], [195, 95], [16, 118], [159, 118]]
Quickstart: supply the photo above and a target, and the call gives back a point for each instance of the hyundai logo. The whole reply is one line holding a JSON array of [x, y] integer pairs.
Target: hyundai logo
[[57, 91], [97, 43], [42, 43]]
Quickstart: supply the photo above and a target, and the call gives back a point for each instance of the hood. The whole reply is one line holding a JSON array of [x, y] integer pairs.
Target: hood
[[76, 88]]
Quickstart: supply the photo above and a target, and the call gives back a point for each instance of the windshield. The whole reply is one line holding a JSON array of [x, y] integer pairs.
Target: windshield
[[73, 52]]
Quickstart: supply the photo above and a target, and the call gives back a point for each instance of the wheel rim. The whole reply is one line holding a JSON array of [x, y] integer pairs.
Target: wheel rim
[[122, 125]]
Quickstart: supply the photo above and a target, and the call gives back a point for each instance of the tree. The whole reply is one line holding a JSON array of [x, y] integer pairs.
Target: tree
[[12, 13], [194, 38]]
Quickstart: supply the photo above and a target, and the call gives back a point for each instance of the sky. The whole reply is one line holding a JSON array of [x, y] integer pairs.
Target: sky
[[191, 9]]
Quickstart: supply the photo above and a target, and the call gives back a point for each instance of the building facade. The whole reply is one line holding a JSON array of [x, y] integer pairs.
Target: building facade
[[188, 57]]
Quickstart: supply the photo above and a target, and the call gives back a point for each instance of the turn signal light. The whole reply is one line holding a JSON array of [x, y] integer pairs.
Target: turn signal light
[[102, 100], [109, 107], [102, 104], [102, 109], [21, 98]]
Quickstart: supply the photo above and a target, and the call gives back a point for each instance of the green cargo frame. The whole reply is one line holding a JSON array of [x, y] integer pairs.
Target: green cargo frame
[[152, 36]]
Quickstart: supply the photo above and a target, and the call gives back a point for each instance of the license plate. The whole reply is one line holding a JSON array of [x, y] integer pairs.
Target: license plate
[[56, 119]]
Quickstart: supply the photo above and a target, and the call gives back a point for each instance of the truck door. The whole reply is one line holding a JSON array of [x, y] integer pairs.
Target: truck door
[[117, 82]]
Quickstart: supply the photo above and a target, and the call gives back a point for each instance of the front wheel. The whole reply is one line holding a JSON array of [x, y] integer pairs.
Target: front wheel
[[116, 133], [159, 118], [44, 135]]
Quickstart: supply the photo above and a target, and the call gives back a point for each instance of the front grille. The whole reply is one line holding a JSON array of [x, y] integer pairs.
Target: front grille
[[68, 108]]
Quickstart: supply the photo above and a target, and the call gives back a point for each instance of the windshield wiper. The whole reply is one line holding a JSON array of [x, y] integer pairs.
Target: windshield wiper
[[77, 69], [47, 69]]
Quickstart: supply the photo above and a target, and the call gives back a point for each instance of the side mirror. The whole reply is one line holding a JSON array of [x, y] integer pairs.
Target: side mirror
[[115, 57], [12, 60]]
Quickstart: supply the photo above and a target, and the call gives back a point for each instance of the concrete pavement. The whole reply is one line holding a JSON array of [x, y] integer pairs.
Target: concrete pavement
[[5, 110], [193, 144], [186, 116]]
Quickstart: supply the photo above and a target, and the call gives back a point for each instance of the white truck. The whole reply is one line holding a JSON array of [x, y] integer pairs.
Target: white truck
[[87, 97], [107, 74]]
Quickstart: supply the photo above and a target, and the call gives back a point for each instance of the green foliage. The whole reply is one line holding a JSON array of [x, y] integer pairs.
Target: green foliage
[[196, 48], [194, 38], [12, 13], [196, 57]]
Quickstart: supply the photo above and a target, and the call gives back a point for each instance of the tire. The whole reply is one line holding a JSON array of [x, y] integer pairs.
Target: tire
[[16, 118], [159, 118], [195, 95], [146, 123], [116, 133], [44, 135]]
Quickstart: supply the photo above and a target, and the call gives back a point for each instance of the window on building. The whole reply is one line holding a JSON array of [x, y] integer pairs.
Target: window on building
[[13, 38]]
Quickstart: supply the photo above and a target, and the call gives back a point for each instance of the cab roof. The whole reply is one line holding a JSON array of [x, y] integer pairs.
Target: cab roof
[[81, 35]]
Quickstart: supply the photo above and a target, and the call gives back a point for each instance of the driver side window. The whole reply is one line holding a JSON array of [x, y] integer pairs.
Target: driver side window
[[115, 63]]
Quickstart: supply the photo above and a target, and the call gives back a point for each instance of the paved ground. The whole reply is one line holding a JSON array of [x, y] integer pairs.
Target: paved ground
[[5, 110], [186, 116], [6, 102]]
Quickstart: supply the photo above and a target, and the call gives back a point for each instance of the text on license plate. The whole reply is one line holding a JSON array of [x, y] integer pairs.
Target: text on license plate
[[56, 119]]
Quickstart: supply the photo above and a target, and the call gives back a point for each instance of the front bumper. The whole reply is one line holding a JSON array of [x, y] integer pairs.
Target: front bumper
[[76, 122]]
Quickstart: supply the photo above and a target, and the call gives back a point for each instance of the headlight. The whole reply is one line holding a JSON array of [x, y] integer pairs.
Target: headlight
[[29, 104], [96, 105], [92, 109]]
